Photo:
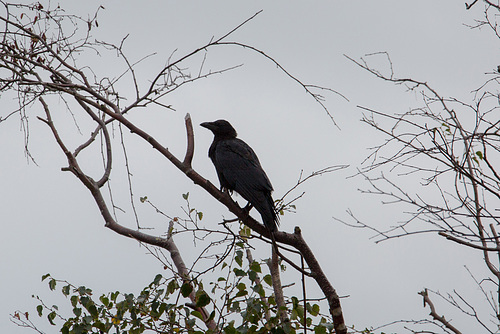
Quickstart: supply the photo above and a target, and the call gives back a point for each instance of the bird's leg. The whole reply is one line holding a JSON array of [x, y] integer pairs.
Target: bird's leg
[[247, 208], [226, 190], [229, 192]]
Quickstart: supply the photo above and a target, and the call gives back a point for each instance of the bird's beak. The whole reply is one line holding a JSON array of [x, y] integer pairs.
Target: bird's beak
[[208, 125]]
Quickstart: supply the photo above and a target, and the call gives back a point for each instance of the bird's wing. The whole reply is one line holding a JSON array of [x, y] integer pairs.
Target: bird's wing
[[240, 167]]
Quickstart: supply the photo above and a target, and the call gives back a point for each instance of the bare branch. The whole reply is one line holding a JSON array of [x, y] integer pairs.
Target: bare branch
[[467, 6], [435, 315], [190, 141]]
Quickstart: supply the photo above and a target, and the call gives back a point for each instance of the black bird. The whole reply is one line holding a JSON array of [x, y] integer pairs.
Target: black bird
[[239, 169]]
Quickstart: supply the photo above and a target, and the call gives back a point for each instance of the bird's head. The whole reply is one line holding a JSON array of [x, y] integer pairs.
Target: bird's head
[[220, 128]]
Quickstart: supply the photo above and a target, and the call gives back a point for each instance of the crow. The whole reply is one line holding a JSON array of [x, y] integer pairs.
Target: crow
[[239, 169]]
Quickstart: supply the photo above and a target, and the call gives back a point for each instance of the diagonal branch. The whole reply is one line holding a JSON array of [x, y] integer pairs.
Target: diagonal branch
[[435, 315]]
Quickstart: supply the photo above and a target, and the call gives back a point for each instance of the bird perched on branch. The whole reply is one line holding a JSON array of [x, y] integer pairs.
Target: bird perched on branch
[[239, 169]]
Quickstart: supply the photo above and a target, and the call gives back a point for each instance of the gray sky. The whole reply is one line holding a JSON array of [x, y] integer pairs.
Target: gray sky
[[51, 224]]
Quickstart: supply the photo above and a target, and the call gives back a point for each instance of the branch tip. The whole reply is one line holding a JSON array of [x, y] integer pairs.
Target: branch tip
[[190, 141], [297, 230]]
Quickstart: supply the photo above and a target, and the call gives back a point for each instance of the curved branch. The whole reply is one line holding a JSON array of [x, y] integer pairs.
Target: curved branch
[[102, 126], [190, 141], [317, 97]]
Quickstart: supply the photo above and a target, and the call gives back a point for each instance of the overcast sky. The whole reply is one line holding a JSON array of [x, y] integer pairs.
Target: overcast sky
[[51, 225]]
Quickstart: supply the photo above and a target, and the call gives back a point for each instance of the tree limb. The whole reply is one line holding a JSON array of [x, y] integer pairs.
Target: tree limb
[[435, 315]]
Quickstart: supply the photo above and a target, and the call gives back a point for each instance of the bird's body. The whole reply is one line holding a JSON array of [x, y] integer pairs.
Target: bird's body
[[239, 169]]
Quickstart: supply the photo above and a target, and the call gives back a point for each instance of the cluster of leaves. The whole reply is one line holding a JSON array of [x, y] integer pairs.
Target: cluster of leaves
[[154, 308], [241, 299]]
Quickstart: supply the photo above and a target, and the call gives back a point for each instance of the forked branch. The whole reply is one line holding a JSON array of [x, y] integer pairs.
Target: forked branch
[[435, 315]]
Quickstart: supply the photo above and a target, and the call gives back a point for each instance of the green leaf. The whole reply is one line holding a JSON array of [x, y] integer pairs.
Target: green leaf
[[212, 316], [314, 310], [51, 316], [185, 196], [84, 291], [255, 266], [202, 299], [85, 301], [242, 290], [245, 231], [39, 309], [229, 329], [186, 289], [480, 155], [114, 295], [239, 258], [74, 300], [172, 286], [93, 311], [260, 290], [143, 199], [157, 279], [319, 330], [252, 275], [239, 272], [268, 279], [104, 300], [65, 290], [45, 276], [197, 314], [200, 215], [52, 284], [77, 311], [87, 319], [242, 293]]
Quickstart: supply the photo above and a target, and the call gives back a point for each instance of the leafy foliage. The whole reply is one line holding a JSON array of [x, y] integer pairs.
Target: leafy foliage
[[241, 300]]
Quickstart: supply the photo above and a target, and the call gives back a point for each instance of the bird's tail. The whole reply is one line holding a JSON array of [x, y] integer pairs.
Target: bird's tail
[[269, 215]]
